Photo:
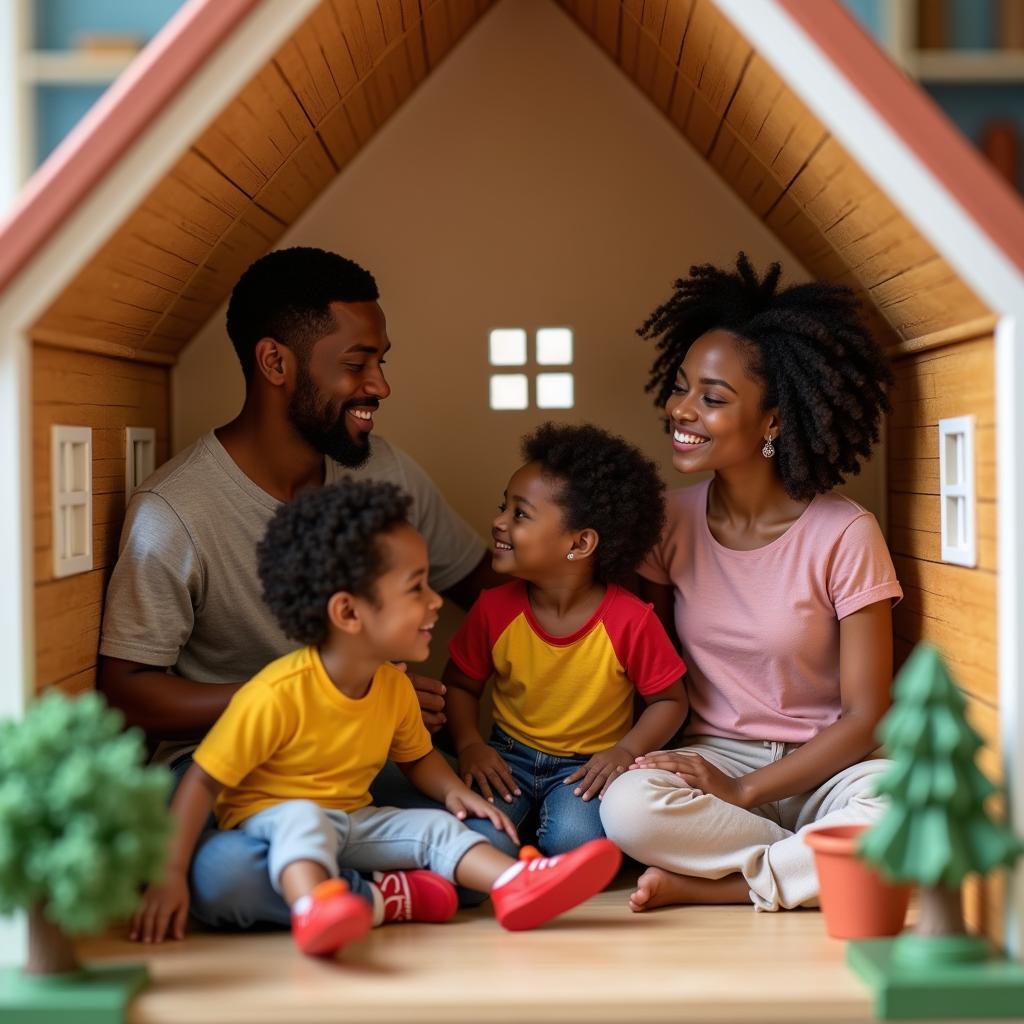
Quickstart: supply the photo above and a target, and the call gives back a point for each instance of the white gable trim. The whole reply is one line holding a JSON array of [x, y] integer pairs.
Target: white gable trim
[[870, 140], [236, 60]]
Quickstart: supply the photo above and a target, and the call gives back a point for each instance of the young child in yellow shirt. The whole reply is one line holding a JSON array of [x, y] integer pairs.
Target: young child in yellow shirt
[[292, 758]]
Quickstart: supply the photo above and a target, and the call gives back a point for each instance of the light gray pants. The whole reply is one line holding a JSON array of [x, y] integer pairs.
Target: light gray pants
[[370, 839], [658, 819]]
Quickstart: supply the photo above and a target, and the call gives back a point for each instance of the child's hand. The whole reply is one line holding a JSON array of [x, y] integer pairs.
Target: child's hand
[[600, 772], [483, 765], [463, 801], [164, 911], [698, 773]]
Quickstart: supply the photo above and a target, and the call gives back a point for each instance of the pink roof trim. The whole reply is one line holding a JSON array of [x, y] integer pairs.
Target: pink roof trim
[[918, 120], [112, 125]]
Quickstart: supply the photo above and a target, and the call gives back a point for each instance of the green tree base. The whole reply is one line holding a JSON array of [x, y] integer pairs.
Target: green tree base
[[91, 996], [943, 989]]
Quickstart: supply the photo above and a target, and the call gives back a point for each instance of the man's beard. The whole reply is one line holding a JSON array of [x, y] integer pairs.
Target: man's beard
[[320, 428]]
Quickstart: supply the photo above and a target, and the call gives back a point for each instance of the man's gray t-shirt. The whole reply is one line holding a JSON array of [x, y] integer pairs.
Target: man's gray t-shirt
[[185, 593]]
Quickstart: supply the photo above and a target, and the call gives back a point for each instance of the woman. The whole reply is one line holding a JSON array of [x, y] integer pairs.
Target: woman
[[782, 591]]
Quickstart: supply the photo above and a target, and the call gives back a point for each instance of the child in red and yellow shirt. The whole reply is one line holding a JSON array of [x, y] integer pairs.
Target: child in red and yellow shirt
[[567, 646]]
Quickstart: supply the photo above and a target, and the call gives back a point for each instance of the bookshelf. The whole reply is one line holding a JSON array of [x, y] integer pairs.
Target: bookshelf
[[969, 56], [66, 53]]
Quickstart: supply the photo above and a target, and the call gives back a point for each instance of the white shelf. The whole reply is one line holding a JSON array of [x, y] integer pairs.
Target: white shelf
[[966, 65], [69, 67]]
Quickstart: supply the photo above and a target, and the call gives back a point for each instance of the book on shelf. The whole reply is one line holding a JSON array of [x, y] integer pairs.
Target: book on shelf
[[108, 44], [1010, 29]]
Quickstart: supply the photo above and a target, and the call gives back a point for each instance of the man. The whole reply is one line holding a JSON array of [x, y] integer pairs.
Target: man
[[184, 624]]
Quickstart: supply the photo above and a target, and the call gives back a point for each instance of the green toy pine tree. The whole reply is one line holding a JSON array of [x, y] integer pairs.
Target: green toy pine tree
[[82, 822], [937, 829]]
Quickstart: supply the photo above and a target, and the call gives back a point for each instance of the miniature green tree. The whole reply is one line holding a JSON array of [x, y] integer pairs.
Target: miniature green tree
[[82, 822], [937, 829]]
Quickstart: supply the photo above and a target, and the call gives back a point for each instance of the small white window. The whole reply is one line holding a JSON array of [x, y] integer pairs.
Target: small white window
[[509, 391], [554, 346], [139, 457], [508, 347], [956, 491], [554, 391], [72, 499]]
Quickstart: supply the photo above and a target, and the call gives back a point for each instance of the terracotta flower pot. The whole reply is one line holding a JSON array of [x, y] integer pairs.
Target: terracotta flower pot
[[856, 901]]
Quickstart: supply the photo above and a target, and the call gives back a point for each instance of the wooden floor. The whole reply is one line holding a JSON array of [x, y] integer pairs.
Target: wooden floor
[[599, 963]]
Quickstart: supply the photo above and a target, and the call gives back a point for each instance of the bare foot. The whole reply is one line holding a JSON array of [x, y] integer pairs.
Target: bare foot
[[657, 887]]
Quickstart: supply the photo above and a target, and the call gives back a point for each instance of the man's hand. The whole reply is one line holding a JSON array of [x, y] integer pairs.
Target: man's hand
[[430, 693], [698, 773], [164, 911], [600, 772], [483, 765], [463, 801]]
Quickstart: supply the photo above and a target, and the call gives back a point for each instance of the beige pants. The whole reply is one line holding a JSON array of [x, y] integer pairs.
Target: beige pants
[[657, 819]]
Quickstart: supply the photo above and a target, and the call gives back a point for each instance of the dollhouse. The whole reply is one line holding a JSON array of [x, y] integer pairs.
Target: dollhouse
[[233, 129]]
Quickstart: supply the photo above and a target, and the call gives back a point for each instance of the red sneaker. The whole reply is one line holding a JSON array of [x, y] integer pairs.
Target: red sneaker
[[539, 888], [328, 918], [416, 896]]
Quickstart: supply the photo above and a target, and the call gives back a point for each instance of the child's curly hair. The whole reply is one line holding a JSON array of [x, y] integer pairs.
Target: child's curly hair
[[607, 484], [807, 343], [323, 541]]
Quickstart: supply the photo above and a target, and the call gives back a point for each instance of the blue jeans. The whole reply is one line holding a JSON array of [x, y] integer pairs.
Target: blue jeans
[[562, 820], [230, 879]]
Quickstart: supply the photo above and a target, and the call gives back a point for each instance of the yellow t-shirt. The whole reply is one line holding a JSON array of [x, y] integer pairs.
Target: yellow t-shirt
[[290, 734]]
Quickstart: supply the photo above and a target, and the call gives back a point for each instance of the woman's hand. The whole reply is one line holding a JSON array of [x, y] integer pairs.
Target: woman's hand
[[463, 801], [164, 910], [698, 773], [483, 765], [600, 772]]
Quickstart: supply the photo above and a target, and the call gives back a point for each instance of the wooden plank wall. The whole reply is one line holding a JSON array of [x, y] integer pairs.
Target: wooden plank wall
[[88, 390], [952, 606], [236, 189], [793, 174]]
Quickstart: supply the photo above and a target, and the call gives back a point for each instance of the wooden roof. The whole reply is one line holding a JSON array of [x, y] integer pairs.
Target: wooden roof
[[352, 63]]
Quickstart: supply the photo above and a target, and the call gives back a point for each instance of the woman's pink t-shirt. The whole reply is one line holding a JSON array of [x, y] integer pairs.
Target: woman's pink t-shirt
[[760, 629]]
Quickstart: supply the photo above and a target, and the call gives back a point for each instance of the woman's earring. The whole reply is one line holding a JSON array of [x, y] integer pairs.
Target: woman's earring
[[769, 449], [571, 555]]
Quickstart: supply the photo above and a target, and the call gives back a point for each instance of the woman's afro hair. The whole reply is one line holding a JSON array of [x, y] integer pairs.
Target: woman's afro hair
[[323, 541], [807, 343], [606, 484]]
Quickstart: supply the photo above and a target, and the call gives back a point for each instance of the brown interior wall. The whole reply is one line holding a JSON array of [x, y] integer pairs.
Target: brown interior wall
[[86, 390], [952, 606]]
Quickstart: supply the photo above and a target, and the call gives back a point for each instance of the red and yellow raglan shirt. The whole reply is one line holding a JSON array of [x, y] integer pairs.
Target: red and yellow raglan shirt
[[565, 695]]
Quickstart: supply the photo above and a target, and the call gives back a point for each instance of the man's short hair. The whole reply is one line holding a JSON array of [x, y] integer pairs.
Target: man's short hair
[[286, 295]]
